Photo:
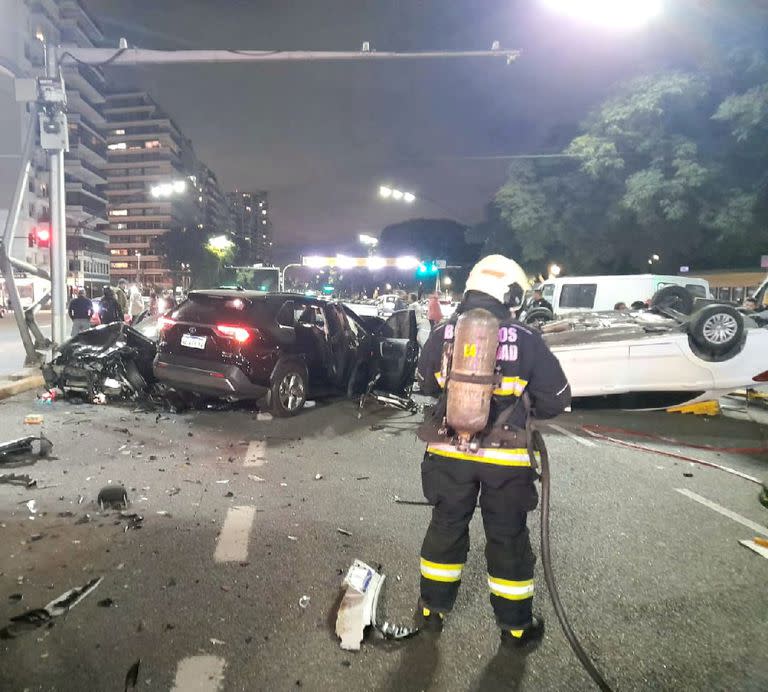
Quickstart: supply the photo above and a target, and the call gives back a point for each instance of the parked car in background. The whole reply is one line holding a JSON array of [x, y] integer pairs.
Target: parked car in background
[[573, 294], [237, 344]]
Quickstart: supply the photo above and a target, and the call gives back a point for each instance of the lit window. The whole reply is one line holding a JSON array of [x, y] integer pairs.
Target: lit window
[[264, 222], [119, 265], [118, 212], [263, 212], [247, 209], [117, 145], [152, 144], [118, 132], [122, 226], [118, 251], [39, 35]]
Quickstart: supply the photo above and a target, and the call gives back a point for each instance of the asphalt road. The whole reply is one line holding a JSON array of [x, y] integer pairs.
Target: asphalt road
[[655, 581], [11, 348]]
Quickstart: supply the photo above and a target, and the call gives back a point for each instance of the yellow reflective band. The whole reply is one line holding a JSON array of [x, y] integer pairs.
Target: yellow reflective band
[[440, 379], [511, 590], [500, 457], [437, 571], [517, 634], [511, 386]]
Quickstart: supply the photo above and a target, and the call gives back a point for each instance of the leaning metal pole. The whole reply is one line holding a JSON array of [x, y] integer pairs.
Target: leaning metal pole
[[58, 227], [6, 244]]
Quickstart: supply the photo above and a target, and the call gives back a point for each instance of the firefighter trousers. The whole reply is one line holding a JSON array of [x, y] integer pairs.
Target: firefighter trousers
[[506, 495]]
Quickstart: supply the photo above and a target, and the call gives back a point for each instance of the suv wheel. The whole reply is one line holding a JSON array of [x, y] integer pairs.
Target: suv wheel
[[717, 328], [289, 390]]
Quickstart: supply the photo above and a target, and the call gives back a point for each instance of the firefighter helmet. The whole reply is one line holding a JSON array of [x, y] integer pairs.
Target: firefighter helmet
[[500, 277]]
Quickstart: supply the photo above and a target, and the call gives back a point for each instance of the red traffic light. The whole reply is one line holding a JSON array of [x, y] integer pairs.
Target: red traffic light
[[43, 236]]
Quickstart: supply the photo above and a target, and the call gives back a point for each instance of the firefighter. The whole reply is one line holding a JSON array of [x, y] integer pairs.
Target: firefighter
[[498, 467]]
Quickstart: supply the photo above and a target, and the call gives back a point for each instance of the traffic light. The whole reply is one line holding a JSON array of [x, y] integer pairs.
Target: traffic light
[[426, 269], [40, 236]]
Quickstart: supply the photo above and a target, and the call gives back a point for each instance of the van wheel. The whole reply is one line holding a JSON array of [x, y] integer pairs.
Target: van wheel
[[289, 390], [716, 329], [675, 298], [538, 316]]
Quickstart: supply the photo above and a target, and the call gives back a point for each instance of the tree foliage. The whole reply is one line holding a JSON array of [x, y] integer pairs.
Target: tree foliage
[[671, 164]]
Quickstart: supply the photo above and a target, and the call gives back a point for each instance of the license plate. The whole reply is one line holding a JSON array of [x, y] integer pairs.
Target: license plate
[[193, 341]]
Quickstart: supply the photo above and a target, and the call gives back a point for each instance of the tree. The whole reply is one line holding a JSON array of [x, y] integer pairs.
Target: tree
[[671, 164], [188, 247]]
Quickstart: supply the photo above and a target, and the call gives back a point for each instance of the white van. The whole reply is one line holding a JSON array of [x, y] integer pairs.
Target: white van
[[595, 293]]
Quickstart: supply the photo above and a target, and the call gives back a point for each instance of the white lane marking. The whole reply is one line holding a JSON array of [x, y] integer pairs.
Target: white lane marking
[[256, 454], [757, 528], [577, 438], [232, 544], [199, 674]]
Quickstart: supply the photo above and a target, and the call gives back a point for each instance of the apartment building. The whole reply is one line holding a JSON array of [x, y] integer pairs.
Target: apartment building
[[154, 188], [252, 226]]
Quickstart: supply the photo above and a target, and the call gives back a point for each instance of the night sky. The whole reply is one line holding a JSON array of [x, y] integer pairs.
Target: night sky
[[321, 137]]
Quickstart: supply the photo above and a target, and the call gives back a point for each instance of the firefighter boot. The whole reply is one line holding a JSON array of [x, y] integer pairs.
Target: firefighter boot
[[429, 620], [524, 638]]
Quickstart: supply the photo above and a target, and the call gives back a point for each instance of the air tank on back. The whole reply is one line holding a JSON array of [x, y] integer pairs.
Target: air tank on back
[[472, 378]]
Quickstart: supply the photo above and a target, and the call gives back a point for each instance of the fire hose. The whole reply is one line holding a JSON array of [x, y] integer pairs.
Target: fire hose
[[538, 445]]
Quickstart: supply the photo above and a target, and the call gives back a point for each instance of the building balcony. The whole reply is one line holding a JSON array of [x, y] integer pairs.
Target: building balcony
[[90, 234], [84, 188], [77, 167], [89, 149], [77, 102], [86, 80], [72, 9]]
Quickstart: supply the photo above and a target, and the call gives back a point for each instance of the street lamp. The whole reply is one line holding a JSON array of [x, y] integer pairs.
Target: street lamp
[[368, 240], [138, 267], [220, 243], [447, 281], [626, 14], [386, 192], [554, 270]]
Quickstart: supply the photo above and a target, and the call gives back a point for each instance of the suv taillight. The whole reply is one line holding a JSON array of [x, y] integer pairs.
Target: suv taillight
[[762, 377], [229, 331], [164, 323]]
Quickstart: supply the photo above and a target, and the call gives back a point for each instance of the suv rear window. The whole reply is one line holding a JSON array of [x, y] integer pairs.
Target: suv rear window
[[206, 309], [578, 296]]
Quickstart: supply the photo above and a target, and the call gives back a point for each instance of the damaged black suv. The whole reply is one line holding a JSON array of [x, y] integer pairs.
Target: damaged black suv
[[236, 344]]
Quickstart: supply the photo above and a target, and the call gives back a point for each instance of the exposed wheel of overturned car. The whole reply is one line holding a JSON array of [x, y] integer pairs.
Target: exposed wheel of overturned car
[[717, 329], [676, 298], [538, 317], [288, 392]]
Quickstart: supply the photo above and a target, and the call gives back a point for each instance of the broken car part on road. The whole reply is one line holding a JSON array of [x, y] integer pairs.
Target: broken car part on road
[[32, 619], [22, 448], [358, 608]]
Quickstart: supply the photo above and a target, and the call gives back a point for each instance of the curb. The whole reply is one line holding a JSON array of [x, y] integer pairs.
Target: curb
[[9, 389]]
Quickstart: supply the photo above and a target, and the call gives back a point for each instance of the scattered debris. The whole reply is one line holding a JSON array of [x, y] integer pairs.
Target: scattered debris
[[100, 399], [133, 520], [173, 491], [223, 482], [36, 537], [343, 532], [216, 642], [229, 494], [293, 538], [15, 597], [304, 601], [112, 497], [18, 479], [33, 419], [258, 479], [31, 506], [106, 603], [132, 676], [85, 519], [758, 545], [318, 476], [163, 513], [32, 619], [22, 448], [263, 416], [688, 475], [363, 478]]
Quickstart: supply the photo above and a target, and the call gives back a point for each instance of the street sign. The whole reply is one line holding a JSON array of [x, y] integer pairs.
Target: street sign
[[764, 262], [441, 264]]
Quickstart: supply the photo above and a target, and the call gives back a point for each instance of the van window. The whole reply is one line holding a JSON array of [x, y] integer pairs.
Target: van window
[[548, 292], [578, 296], [286, 314], [697, 290]]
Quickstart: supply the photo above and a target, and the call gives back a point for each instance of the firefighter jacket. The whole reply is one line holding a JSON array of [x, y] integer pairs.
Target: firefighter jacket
[[525, 364]]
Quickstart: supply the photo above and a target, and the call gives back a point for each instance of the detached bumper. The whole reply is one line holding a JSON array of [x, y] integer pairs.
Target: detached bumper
[[203, 377]]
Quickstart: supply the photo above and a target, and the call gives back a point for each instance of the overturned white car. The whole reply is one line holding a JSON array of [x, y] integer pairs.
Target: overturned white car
[[682, 350]]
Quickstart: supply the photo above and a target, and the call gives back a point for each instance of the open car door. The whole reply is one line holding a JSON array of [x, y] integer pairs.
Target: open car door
[[397, 353]]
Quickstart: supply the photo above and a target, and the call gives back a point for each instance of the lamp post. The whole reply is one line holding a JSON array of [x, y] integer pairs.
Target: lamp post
[[138, 267]]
